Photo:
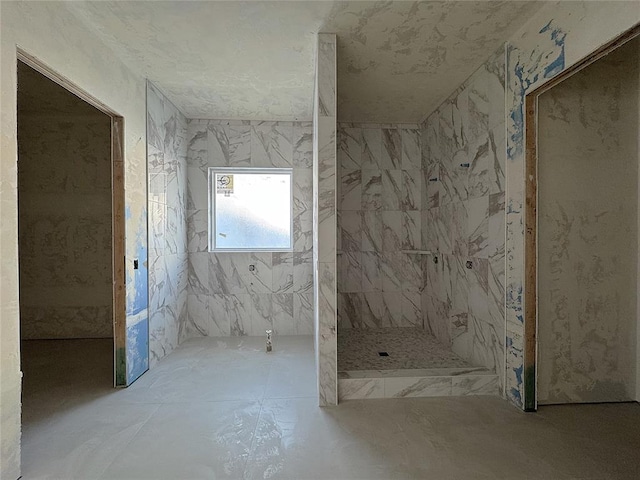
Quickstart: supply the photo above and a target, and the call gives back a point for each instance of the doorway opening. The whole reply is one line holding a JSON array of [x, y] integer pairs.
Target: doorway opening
[[71, 242], [582, 211]]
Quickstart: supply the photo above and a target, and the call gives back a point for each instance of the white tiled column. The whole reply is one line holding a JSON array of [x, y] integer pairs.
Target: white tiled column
[[325, 220]]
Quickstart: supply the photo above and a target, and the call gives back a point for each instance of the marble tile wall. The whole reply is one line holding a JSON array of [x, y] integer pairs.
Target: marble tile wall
[[381, 196], [168, 262], [325, 204], [225, 298], [463, 219], [64, 179]]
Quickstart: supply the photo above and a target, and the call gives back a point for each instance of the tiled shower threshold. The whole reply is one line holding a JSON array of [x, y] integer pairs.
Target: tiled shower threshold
[[416, 365]]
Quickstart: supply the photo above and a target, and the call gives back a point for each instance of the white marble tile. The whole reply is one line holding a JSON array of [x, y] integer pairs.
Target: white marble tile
[[219, 324], [392, 231], [477, 280], [350, 190], [391, 150], [443, 222], [475, 385], [351, 230], [411, 310], [480, 157], [372, 231], [303, 313], [261, 308], [197, 231], [302, 145], [199, 283], [412, 273], [350, 307], [411, 230], [157, 220], [411, 189], [157, 187], [302, 191], [372, 310], [371, 189], [392, 188], [239, 312], [197, 144], [302, 272], [197, 188], [350, 272], [282, 314], [459, 229], [197, 315], [350, 148], [271, 145], [497, 159], [478, 226], [411, 155], [303, 232], [282, 271], [326, 76], [371, 272], [391, 266], [391, 315], [371, 148], [496, 228], [417, 387], [359, 388]]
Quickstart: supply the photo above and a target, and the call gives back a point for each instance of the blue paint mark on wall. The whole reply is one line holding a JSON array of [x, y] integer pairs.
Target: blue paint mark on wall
[[137, 350], [548, 60]]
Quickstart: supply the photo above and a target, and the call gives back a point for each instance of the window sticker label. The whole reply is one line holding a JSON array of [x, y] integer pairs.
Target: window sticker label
[[224, 184]]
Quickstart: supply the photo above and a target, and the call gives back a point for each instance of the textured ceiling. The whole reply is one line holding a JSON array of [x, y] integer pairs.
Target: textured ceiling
[[255, 60]]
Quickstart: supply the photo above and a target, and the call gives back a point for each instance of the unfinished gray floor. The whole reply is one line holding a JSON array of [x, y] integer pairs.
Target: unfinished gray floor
[[224, 409]]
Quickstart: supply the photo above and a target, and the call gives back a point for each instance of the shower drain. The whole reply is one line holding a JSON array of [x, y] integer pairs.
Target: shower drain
[[383, 354]]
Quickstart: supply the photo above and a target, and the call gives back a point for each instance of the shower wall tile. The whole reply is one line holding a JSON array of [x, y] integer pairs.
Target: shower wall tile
[[463, 147], [378, 224], [350, 189], [391, 149], [371, 148], [372, 231], [411, 190], [411, 154], [350, 148]]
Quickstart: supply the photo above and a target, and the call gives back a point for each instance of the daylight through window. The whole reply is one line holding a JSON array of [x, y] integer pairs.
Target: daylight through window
[[250, 209]]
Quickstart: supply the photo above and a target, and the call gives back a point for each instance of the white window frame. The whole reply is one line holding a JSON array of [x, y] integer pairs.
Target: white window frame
[[212, 207]]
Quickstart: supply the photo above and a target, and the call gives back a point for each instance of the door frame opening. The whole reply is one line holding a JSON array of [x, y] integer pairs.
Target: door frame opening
[[531, 215], [117, 204]]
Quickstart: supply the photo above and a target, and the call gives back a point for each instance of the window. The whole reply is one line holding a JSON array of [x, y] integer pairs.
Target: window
[[250, 209]]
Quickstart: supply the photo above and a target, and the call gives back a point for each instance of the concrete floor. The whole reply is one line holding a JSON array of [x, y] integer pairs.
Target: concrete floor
[[224, 409]]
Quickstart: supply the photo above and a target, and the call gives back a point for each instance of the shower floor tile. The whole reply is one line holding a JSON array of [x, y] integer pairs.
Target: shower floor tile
[[408, 348]]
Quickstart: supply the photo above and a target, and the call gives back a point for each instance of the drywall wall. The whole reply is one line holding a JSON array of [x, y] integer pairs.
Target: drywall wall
[[47, 31], [558, 36], [64, 182], [325, 233], [464, 216], [379, 203], [167, 174], [587, 232], [224, 297]]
